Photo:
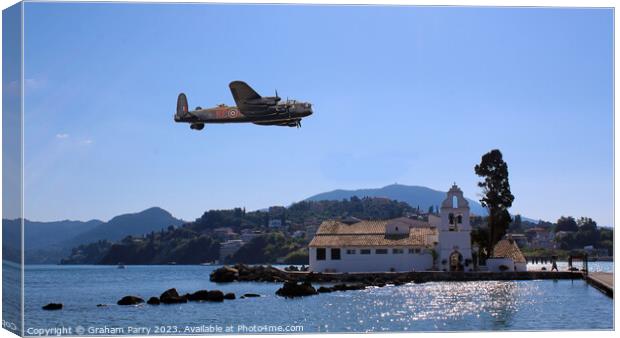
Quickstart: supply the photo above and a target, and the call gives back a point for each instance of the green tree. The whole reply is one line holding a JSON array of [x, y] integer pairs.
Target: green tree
[[480, 236], [497, 196], [566, 224]]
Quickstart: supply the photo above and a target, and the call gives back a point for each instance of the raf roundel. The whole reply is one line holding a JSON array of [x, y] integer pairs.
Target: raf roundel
[[232, 113]]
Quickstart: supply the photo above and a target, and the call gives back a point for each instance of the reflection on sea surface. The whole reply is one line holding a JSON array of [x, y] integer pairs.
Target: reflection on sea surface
[[434, 306]]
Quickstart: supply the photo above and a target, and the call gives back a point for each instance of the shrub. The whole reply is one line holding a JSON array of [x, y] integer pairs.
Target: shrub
[[297, 257]]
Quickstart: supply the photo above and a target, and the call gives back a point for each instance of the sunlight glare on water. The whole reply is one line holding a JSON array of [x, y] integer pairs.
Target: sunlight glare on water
[[433, 306]]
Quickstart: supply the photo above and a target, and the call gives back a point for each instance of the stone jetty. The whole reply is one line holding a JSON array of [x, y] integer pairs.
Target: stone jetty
[[603, 281], [259, 273]]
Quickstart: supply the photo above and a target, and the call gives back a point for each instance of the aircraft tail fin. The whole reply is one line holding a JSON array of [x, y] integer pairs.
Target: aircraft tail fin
[[242, 93], [182, 107]]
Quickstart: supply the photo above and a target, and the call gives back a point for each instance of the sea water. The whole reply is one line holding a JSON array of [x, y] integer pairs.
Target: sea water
[[433, 306]]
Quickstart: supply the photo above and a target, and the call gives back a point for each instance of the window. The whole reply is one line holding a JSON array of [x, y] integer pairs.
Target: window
[[411, 250], [397, 251], [451, 218], [459, 219], [381, 251], [417, 250], [335, 254], [351, 252], [365, 252], [320, 254], [414, 250]]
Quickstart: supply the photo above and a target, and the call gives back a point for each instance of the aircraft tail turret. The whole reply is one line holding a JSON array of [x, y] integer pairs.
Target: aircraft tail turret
[[182, 106]]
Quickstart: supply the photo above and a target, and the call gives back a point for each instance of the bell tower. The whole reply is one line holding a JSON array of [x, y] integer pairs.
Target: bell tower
[[454, 211], [455, 233]]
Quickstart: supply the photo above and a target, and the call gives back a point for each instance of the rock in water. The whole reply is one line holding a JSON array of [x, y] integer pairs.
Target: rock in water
[[292, 289], [324, 289], [215, 296], [153, 301], [130, 300], [171, 296], [251, 295], [52, 306], [230, 295], [345, 287], [242, 272], [224, 274], [199, 296], [170, 293]]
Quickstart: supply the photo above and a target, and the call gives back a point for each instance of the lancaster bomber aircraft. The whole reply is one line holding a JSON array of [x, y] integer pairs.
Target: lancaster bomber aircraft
[[251, 107]]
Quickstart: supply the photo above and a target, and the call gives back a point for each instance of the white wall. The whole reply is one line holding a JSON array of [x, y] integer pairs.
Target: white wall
[[373, 262], [521, 266], [449, 241], [494, 263]]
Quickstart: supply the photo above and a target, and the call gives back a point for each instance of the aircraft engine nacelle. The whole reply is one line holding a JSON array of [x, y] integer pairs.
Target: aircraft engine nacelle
[[263, 101], [197, 126]]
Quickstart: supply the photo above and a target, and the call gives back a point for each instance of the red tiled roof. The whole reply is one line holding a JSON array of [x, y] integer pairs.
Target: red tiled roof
[[369, 234], [508, 249]]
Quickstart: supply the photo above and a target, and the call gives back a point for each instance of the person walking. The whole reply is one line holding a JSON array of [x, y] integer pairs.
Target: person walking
[[554, 265]]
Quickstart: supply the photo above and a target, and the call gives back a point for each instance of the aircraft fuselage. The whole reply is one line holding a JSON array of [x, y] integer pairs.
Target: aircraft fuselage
[[283, 112], [250, 107]]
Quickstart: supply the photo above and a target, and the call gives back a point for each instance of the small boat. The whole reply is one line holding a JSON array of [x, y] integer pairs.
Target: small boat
[[120, 266]]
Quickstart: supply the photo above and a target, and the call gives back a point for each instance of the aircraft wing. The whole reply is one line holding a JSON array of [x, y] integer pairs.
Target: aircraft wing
[[242, 93]]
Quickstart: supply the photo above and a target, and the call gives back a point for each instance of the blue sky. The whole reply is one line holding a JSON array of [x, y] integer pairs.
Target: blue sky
[[413, 95]]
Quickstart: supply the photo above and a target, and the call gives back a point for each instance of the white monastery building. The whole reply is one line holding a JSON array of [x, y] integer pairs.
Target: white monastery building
[[400, 244]]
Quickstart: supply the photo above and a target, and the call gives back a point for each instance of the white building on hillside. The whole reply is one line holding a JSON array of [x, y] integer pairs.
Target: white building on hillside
[[400, 244], [229, 248], [275, 223]]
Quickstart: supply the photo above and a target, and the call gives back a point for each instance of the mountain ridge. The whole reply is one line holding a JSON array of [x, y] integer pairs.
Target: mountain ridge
[[145, 221], [47, 242], [414, 195]]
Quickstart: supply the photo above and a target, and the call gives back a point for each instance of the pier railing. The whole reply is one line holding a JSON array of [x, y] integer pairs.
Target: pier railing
[[583, 258]]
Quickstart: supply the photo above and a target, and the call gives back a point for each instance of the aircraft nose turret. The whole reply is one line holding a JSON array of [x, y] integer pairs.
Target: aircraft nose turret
[[308, 109]]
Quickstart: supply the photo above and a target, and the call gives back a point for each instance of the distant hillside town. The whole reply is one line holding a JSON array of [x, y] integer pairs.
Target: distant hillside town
[[280, 235]]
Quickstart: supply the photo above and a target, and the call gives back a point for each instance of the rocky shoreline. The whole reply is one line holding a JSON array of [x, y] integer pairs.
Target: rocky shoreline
[[260, 273], [299, 283]]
